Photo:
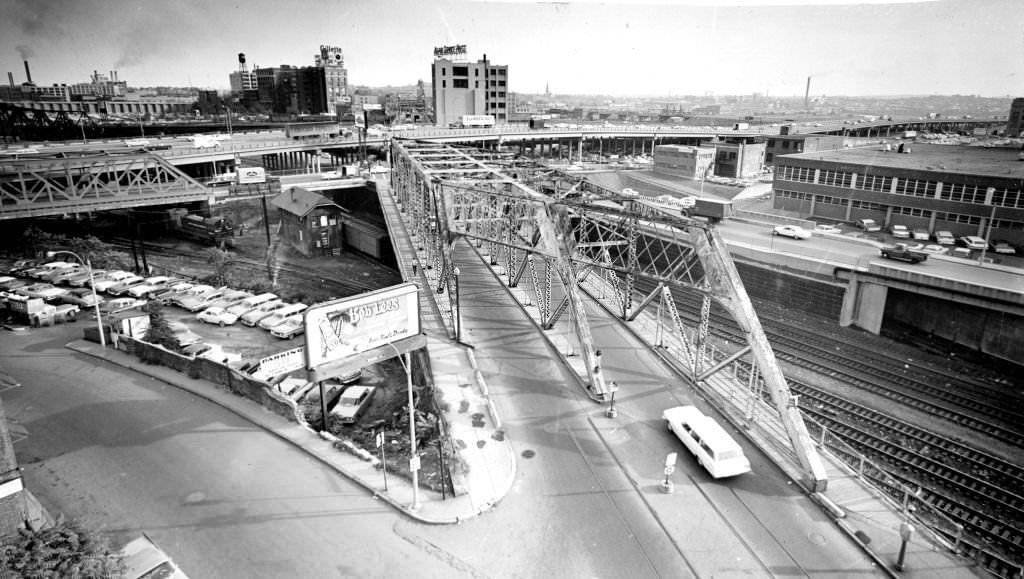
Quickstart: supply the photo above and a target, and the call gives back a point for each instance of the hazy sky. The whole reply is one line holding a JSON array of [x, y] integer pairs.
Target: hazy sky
[[623, 47]]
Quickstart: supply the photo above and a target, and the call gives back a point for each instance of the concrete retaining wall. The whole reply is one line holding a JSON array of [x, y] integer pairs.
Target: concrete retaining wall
[[218, 373], [995, 333], [792, 291]]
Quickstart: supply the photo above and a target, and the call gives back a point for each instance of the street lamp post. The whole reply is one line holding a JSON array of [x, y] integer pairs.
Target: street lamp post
[[92, 284], [414, 460]]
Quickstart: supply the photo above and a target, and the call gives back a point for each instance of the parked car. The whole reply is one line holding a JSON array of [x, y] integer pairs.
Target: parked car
[[944, 238], [21, 266], [278, 316], [50, 268], [229, 298], [62, 277], [201, 301], [81, 297], [81, 279], [165, 294], [920, 234], [289, 328], [196, 349], [353, 403], [44, 291], [251, 303], [121, 288], [899, 231], [869, 225], [14, 284], [253, 317], [1003, 247], [184, 334], [113, 278], [186, 295], [148, 285], [791, 231], [826, 228], [217, 315], [144, 560], [935, 249], [972, 242], [114, 305]]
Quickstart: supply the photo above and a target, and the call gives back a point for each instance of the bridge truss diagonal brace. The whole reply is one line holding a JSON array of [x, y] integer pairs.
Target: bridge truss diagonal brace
[[495, 208], [726, 287], [538, 234]]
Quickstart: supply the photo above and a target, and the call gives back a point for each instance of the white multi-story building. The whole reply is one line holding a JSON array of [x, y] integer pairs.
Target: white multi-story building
[[467, 88]]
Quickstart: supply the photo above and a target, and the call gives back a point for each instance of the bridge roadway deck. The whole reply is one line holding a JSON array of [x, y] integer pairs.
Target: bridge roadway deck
[[787, 534]]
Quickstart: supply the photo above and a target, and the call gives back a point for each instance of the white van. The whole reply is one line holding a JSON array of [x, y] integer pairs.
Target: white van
[[715, 450], [250, 303], [280, 314]]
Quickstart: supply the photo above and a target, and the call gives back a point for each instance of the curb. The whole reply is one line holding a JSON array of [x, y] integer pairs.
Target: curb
[[241, 414]]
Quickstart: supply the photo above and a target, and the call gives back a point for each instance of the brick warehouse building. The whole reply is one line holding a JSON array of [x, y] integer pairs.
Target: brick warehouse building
[[938, 187]]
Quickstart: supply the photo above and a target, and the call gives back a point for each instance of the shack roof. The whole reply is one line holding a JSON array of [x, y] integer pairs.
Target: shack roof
[[300, 202]]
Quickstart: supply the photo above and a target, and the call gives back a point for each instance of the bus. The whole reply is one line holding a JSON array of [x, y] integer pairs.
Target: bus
[[714, 449]]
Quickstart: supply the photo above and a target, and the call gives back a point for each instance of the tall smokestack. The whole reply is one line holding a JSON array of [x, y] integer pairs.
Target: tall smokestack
[[807, 94], [28, 72], [10, 78]]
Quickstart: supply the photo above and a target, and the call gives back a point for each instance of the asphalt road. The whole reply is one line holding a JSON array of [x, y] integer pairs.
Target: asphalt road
[[126, 454]]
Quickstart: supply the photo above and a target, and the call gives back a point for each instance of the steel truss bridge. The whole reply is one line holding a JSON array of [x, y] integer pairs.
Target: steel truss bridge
[[46, 186], [553, 237]]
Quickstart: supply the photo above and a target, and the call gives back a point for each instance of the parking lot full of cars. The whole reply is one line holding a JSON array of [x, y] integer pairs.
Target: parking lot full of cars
[[67, 285]]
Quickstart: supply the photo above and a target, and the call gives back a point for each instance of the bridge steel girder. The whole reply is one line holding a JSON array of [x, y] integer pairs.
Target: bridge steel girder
[[35, 187], [454, 196], [577, 226]]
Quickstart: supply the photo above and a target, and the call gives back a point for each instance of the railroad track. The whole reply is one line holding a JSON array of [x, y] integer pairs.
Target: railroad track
[[345, 287], [861, 368], [972, 488]]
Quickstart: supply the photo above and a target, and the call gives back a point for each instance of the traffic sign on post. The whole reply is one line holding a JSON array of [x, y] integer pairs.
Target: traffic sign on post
[[380, 439], [670, 460], [414, 463]]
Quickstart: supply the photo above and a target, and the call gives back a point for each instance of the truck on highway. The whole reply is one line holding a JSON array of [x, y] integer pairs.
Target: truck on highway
[[902, 252], [741, 126], [710, 208], [475, 122]]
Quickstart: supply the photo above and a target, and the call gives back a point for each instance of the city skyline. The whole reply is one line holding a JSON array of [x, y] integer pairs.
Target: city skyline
[[657, 47]]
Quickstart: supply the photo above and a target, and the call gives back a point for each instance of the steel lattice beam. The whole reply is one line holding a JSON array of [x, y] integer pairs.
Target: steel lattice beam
[[525, 211], [34, 187]]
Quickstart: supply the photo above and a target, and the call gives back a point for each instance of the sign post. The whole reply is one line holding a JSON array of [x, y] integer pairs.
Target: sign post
[[383, 461]]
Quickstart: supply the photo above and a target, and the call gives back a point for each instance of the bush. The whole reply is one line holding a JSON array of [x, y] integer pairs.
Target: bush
[[64, 550]]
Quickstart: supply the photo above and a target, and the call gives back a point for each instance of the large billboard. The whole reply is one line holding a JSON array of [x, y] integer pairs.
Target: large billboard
[[342, 328]]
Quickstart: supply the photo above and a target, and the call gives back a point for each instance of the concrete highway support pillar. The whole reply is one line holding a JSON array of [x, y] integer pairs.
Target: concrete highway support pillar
[[863, 305]]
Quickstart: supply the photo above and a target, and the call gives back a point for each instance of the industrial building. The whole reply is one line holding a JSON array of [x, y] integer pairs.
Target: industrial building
[[739, 160], [683, 160], [1015, 122], [467, 88], [790, 144], [964, 190]]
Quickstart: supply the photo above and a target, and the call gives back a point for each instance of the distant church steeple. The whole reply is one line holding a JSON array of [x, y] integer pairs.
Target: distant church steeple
[[547, 90]]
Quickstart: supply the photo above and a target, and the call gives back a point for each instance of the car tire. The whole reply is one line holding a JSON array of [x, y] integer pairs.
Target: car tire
[[221, 324]]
